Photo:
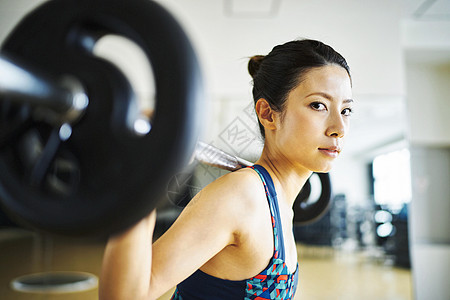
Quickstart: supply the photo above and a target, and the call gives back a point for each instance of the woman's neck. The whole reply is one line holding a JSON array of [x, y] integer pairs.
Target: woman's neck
[[288, 178]]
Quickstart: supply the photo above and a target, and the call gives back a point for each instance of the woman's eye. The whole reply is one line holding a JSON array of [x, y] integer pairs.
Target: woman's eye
[[347, 112], [318, 106]]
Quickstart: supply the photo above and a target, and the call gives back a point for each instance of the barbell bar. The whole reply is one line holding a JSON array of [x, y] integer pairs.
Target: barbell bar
[[21, 82], [306, 208]]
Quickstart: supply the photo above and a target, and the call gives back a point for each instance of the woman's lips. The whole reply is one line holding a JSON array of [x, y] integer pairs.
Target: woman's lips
[[332, 152]]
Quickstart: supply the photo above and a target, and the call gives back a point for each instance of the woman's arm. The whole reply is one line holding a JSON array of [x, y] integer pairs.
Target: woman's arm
[[213, 220], [127, 263], [210, 222]]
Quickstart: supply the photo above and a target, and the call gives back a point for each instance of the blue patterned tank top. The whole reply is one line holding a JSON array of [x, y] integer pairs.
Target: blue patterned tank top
[[274, 282]]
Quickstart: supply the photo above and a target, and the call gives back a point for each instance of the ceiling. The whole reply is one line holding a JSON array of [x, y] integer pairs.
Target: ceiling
[[373, 36], [427, 10]]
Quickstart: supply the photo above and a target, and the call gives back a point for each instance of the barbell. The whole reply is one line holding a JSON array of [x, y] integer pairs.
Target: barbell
[[307, 209], [71, 159]]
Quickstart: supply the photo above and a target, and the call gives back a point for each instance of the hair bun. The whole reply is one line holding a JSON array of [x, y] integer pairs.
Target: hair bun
[[254, 64]]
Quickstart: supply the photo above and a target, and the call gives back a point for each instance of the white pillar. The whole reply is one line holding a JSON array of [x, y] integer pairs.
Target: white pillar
[[428, 103]]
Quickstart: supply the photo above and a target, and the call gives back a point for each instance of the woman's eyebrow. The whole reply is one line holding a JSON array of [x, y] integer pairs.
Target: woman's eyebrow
[[327, 96]]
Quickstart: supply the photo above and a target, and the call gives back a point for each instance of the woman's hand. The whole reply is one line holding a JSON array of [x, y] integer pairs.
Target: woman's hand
[[127, 262]]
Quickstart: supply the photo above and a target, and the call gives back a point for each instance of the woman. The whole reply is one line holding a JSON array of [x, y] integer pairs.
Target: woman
[[234, 240]]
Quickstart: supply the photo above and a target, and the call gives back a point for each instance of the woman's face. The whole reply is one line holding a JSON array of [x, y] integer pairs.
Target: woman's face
[[316, 118]]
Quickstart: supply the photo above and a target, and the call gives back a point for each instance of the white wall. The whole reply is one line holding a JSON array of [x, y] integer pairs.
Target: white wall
[[428, 102], [366, 32], [350, 177]]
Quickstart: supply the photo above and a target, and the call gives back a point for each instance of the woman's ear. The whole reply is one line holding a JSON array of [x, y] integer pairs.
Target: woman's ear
[[266, 115]]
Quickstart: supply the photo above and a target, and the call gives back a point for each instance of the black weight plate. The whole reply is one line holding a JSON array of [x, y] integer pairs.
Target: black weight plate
[[103, 178], [307, 211], [304, 193]]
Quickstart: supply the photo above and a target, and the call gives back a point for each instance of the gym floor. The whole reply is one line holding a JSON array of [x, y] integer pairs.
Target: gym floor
[[324, 273]]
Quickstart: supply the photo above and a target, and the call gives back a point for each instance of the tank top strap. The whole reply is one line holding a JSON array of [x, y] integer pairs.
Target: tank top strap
[[271, 195]]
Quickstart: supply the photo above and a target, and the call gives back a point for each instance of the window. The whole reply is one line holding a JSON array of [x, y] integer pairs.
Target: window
[[392, 179]]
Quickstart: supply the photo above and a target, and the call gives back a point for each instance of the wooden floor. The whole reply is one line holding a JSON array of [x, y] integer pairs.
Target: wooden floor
[[324, 273], [328, 274]]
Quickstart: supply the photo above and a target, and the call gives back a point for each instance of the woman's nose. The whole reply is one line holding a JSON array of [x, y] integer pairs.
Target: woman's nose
[[337, 127]]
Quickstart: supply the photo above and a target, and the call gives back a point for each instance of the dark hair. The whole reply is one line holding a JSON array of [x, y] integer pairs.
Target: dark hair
[[284, 68]]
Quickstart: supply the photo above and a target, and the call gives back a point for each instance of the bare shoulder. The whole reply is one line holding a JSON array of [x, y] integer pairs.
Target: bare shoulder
[[236, 193], [221, 214]]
